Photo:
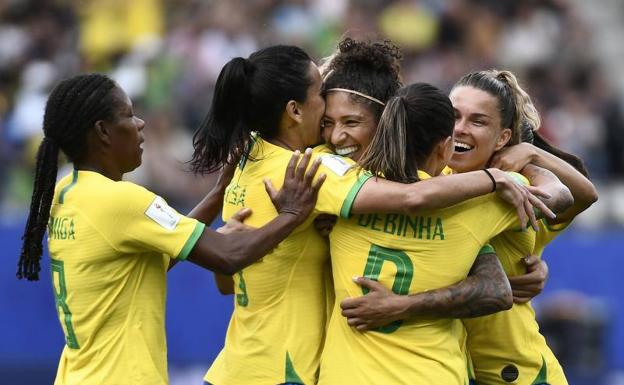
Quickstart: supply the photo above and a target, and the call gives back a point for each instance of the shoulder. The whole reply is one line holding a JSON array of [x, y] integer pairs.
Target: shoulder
[[127, 195]]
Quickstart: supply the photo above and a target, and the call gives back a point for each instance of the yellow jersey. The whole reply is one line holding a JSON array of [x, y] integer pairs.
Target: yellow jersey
[[277, 328], [110, 244], [410, 254], [507, 347]]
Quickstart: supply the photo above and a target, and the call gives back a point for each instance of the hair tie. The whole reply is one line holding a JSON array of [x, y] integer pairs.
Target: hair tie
[[358, 94]]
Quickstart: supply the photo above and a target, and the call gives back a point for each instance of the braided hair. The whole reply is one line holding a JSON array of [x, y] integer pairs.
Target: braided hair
[[72, 109]]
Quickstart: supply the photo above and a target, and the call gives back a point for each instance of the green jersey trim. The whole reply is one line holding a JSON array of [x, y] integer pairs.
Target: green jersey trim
[[291, 375], [542, 376], [191, 241], [345, 211], [68, 187], [487, 249]]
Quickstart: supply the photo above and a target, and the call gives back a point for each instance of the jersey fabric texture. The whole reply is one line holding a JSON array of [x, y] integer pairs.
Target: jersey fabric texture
[[110, 244], [277, 329], [507, 347], [409, 254]]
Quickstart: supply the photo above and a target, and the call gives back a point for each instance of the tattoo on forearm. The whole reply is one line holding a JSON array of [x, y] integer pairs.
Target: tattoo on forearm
[[485, 291]]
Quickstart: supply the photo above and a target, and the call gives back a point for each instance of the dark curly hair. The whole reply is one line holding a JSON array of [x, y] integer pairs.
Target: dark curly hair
[[371, 68]]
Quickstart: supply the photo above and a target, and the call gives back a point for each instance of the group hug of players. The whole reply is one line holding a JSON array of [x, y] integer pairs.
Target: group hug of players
[[383, 255]]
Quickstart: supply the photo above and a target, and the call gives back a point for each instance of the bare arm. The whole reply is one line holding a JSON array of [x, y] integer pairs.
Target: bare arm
[[208, 208], [485, 291], [379, 195], [229, 253], [560, 196], [225, 283], [583, 191]]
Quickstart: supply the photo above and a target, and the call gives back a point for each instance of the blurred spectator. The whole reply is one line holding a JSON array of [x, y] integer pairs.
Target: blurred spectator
[[167, 54]]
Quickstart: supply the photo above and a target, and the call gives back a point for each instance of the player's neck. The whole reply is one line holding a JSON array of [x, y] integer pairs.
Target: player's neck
[[100, 167]]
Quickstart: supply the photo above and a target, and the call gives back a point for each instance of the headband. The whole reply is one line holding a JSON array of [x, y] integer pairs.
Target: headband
[[358, 94]]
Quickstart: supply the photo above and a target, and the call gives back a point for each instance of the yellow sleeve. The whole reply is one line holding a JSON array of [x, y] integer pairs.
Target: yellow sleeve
[[546, 234], [487, 216], [341, 186], [141, 221]]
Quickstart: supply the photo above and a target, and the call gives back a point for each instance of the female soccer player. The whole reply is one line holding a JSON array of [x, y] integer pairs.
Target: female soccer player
[[492, 112], [276, 331], [110, 241], [410, 253], [506, 346]]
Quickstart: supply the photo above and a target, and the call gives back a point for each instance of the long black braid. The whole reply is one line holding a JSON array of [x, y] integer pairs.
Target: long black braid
[[71, 111]]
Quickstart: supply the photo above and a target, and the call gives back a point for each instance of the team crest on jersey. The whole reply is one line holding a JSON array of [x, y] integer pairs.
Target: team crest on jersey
[[162, 214], [336, 163]]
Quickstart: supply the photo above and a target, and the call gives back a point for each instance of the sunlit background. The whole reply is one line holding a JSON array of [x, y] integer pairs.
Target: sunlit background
[[167, 55]]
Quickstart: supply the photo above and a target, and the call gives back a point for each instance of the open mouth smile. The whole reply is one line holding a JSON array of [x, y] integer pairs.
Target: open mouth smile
[[347, 151], [462, 147]]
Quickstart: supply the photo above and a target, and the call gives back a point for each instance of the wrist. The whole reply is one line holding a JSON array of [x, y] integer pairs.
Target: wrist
[[291, 216], [402, 306], [489, 173]]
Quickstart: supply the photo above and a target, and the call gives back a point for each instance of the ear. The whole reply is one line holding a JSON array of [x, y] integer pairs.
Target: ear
[[445, 149], [102, 132], [503, 139], [294, 112]]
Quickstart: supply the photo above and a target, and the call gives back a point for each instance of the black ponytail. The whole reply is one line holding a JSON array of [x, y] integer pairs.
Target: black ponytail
[[250, 95], [225, 129]]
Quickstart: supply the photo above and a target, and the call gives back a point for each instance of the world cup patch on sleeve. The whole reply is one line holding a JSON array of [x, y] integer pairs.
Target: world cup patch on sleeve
[[336, 163], [160, 212]]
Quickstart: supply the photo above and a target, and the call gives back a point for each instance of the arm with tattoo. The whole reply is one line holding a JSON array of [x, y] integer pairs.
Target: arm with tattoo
[[560, 196], [485, 291]]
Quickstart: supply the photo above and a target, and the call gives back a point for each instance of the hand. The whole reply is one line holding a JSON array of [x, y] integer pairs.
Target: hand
[[235, 223], [324, 224], [529, 285], [298, 194], [523, 198], [513, 158], [377, 308]]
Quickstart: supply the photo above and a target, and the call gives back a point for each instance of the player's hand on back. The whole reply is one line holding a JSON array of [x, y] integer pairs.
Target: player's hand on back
[[379, 307], [523, 198], [299, 192], [531, 284], [324, 224]]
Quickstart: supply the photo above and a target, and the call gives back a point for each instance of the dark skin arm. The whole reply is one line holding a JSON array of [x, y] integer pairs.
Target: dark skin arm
[[229, 253], [225, 283], [485, 291], [207, 210]]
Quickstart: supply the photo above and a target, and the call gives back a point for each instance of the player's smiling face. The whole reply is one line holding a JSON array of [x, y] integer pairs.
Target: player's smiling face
[[348, 125], [478, 131]]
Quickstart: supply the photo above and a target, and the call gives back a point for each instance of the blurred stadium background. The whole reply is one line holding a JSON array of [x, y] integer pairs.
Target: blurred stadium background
[[167, 54]]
